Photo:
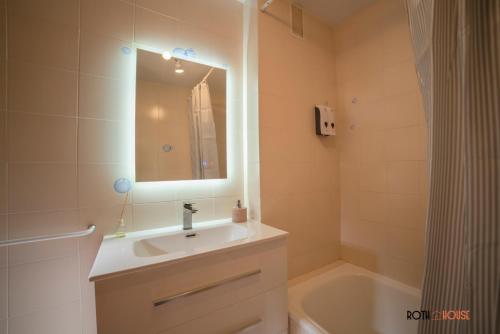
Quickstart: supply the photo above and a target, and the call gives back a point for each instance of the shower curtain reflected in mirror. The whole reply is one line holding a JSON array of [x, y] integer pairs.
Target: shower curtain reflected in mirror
[[457, 55], [204, 154]]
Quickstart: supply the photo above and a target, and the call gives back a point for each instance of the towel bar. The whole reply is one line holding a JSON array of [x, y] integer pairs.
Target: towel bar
[[90, 229]]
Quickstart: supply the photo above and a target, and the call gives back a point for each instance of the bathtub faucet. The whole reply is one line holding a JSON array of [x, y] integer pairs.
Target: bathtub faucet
[[187, 216]]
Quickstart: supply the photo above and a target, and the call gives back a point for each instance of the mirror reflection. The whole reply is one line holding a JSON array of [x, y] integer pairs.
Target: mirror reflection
[[180, 119]]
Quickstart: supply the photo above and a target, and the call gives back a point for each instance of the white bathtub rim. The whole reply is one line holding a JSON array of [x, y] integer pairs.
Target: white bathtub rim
[[297, 292]]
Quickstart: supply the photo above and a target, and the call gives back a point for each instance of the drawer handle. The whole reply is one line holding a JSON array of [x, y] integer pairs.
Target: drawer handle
[[247, 326], [210, 286]]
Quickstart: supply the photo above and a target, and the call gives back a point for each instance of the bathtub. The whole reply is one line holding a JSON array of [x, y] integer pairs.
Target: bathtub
[[346, 299]]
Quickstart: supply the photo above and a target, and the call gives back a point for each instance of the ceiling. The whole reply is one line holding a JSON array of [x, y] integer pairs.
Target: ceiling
[[332, 11]]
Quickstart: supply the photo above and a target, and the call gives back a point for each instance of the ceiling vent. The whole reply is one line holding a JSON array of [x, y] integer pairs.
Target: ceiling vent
[[297, 24]]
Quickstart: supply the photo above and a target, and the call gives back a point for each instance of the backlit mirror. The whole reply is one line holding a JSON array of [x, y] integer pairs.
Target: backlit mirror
[[180, 119]]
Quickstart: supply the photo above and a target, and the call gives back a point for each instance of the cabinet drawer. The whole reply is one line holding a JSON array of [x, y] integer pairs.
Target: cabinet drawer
[[155, 300], [265, 313]]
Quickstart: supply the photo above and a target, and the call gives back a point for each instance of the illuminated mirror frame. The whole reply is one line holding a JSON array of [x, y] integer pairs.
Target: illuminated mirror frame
[[231, 127]]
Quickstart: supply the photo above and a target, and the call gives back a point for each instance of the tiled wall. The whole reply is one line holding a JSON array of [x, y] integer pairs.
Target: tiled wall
[[382, 143], [299, 181], [66, 120]]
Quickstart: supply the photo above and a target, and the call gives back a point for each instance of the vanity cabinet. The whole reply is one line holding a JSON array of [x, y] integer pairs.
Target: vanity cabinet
[[235, 290]]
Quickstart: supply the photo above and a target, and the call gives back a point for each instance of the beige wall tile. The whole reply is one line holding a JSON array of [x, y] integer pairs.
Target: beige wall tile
[[61, 319], [405, 144], [3, 77], [32, 224], [43, 42], [3, 135], [404, 110], [382, 142], [39, 89], [223, 207], [399, 78], [56, 11], [105, 56], [105, 98], [407, 210], [43, 186], [3, 187], [200, 12], [41, 138], [107, 221], [108, 17], [406, 244], [48, 42], [103, 141], [299, 172], [28, 253], [156, 215], [3, 294], [372, 177], [405, 177], [373, 206], [155, 31], [43, 284], [95, 184]]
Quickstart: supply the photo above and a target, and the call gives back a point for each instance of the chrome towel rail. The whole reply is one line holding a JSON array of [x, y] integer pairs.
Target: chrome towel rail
[[90, 229], [209, 286]]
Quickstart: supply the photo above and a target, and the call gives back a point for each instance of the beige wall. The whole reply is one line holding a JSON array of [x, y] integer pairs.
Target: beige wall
[[382, 143], [66, 135], [298, 170]]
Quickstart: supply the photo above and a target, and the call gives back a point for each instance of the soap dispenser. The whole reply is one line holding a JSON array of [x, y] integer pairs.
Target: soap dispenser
[[239, 213]]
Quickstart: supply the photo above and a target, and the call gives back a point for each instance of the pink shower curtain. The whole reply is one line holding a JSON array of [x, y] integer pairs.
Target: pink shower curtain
[[457, 54]]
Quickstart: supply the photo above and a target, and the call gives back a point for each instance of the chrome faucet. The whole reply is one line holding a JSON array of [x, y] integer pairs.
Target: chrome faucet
[[187, 216]]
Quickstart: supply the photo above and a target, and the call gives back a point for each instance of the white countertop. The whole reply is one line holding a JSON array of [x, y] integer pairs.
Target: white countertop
[[116, 256]]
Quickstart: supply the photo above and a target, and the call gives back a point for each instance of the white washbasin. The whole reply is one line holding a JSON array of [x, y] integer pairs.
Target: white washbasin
[[189, 241]]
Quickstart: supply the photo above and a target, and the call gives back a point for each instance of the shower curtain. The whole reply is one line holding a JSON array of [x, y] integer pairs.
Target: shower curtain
[[457, 54], [204, 154]]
